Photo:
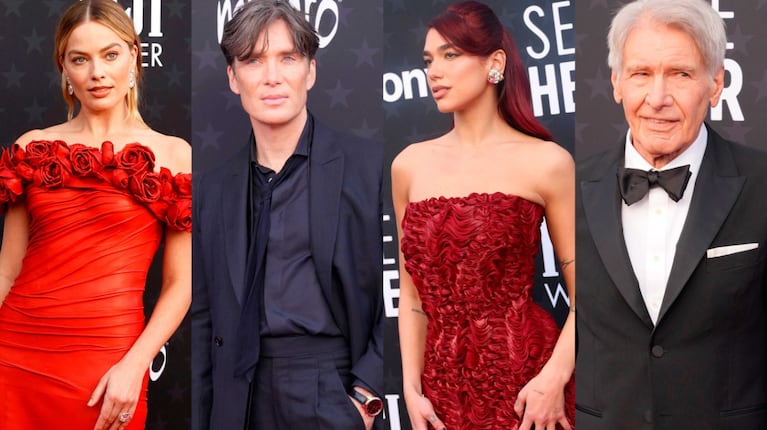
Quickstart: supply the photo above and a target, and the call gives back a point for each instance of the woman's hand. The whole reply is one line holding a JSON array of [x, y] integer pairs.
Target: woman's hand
[[120, 388], [542, 403], [421, 413]]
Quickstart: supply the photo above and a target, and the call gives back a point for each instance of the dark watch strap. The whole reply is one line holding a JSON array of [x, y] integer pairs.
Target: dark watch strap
[[372, 405], [356, 395]]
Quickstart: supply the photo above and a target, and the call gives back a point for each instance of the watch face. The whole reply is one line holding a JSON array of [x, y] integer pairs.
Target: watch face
[[374, 407]]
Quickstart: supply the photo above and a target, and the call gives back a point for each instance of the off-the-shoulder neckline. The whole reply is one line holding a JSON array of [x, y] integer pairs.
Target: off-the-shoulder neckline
[[101, 149]]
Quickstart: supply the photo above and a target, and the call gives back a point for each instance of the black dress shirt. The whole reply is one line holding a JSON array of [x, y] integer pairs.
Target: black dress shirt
[[293, 302]]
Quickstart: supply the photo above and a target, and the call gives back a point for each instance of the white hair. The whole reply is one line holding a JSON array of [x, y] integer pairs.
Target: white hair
[[695, 17]]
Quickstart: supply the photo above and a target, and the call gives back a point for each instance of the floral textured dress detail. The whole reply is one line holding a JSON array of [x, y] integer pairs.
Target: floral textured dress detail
[[96, 219], [472, 260]]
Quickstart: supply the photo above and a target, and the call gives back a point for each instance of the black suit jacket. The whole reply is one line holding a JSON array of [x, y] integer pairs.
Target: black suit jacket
[[702, 366], [346, 241]]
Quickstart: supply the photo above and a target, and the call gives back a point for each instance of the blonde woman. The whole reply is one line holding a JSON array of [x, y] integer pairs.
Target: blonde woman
[[87, 203]]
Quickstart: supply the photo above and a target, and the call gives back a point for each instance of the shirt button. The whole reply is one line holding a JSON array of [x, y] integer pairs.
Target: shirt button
[[655, 258], [657, 351], [658, 211], [218, 341]]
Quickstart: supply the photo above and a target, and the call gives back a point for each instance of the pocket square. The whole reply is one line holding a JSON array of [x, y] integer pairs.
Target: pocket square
[[721, 251]]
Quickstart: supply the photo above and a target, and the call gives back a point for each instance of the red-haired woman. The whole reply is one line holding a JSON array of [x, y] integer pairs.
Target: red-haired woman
[[477, 352]]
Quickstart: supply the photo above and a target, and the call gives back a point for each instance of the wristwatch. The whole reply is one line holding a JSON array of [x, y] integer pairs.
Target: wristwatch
[[372, 405]]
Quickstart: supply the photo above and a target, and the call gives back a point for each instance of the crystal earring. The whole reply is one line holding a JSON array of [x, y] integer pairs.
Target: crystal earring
[[494, 76], [70, 90], [132, 79]]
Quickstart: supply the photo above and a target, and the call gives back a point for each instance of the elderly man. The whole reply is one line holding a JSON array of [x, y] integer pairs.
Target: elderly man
[[671, 231]]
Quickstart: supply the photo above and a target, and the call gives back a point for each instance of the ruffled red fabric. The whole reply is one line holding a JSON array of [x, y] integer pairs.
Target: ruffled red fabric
[[96, 220], [472, 260], [54, 164]]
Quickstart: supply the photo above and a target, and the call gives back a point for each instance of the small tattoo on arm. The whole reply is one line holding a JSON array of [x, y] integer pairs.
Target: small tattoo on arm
[[565, 263], [418, 311]]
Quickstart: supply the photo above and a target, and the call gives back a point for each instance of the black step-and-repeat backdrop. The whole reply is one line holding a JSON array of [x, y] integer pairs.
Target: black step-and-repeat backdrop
[[30, 98], [741, 111], [544, 33]]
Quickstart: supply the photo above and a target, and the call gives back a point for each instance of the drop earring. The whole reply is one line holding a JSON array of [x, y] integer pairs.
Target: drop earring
[[70, 90], [132, 79], [494, 76]]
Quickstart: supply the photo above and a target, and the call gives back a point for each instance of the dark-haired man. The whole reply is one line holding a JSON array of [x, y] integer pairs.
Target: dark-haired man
[[287, 315]]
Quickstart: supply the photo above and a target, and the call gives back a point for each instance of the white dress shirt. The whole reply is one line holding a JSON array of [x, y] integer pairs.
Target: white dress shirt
[[651, 226]]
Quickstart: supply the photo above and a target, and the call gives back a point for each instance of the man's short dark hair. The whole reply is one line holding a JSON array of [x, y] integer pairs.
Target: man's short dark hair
[[240, 34]]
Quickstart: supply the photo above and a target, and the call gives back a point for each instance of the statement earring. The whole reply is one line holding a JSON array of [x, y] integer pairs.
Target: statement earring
[[132, 79], [70, 90], [494, 76]]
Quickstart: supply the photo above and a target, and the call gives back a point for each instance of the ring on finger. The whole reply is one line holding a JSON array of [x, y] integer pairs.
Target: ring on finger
[[124, 417]]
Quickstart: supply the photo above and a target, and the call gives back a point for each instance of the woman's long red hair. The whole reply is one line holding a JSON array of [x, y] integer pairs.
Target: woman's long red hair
[[473, 28]]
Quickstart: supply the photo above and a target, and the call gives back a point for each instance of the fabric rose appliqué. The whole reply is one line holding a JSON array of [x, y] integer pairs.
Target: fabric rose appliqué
[[52, 162], [179, 214], [11, 186], [135, 158], [40, 150], [149, 187], [86, 160]]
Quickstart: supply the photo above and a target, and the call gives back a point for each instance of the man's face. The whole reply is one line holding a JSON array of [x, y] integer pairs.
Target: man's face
[[665, 89], [273, 82]]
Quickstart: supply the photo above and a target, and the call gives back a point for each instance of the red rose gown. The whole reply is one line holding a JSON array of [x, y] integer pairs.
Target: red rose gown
[[472, 260], [96, 219]]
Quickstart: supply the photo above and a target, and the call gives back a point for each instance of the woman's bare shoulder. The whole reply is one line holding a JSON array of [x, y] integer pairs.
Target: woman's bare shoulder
[[54, 132], [416, 152], [171, 152], [547, 156]]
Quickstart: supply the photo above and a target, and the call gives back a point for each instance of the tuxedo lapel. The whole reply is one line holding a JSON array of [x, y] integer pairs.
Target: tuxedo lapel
[[233, 215], [716, 190], [601, 204], [325, 180]]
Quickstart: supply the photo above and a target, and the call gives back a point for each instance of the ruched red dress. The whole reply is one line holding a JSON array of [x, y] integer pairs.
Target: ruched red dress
[[472, 260], [96, 219]]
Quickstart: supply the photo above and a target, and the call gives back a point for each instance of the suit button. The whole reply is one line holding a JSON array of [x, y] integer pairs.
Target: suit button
[[648, 416], [218, 341], [657, 351]]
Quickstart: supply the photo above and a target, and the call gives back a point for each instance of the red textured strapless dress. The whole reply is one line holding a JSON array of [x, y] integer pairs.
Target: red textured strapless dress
[[96, 219], [472, 260]]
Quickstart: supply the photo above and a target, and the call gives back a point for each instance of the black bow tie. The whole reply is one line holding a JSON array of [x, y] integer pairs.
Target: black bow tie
[[635, 184]]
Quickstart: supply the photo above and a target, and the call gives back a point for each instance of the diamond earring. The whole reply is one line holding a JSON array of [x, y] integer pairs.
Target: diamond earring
[[494, 76], [70, 90], [132, 79]]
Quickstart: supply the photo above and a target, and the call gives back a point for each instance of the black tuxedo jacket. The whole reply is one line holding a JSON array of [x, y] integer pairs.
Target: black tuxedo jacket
[[346, 241], [703, 365]]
